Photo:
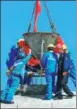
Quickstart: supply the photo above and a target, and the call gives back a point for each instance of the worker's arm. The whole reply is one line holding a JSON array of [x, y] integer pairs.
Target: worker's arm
[[66, 64], [26, 59]]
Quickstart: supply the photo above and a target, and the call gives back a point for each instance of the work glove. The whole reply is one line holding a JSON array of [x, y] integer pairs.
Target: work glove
[[8, 72]]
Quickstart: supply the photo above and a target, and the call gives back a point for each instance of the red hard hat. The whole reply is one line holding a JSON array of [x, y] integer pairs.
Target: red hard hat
[[21, 42], [58, 46], [59, 41]]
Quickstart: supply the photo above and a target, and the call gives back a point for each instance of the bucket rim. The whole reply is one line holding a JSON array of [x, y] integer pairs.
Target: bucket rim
[[28, 33]]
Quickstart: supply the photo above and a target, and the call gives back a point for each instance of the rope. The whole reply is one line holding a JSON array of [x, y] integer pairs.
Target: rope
[[49, 17], [30, 23]]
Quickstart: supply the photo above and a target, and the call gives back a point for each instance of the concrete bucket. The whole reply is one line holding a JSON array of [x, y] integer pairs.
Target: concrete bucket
[[38, 41]]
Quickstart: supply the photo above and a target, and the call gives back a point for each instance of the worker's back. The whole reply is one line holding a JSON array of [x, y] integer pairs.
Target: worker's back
[[49, 62]]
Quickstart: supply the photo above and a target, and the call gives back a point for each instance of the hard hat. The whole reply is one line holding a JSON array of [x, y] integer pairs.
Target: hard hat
[[51, 45], [21, 42], [64, 47], [58, 46]]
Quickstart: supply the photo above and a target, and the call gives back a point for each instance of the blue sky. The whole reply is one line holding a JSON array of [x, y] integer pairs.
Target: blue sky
[[15, 17]]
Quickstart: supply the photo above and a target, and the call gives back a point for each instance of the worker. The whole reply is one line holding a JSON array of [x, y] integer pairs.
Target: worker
[[12, 56], [15, 75], [33, 64], [49, 63], [72, 70], [14, 53], [62, 80]]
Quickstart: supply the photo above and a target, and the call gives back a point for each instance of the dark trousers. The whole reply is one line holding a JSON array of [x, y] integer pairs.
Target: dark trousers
[[62, 81]]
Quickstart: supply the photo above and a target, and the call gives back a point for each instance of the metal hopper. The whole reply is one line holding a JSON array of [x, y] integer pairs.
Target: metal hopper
[[38, 41]]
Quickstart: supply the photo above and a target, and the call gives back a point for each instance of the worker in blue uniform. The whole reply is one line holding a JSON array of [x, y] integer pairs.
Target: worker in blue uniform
[[14, 53], [63, 68], [49, 64], [72, 70], [12, 56], [16, 75]]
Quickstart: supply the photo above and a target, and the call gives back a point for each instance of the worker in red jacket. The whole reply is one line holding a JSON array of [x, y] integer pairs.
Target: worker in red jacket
[[33, 61]]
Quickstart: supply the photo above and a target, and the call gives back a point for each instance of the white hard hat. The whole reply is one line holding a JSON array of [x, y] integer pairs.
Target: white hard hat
[[21, 40], [51, 45]]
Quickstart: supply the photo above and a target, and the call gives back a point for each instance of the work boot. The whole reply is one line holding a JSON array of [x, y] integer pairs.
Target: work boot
[[47, 98], [70, 95], [58, 97]]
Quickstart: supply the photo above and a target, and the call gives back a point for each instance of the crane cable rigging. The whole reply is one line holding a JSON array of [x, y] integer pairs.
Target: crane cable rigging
[[49, 17]]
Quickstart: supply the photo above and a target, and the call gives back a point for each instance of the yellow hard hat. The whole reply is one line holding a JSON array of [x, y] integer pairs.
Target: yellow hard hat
[[64, 47], [51, 45]]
